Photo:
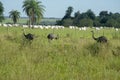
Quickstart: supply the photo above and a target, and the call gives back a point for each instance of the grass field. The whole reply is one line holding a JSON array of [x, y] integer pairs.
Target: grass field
[[46, 21], [74, 56]]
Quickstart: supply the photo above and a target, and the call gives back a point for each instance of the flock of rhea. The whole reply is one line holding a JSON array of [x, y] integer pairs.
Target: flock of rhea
[[51, 36]]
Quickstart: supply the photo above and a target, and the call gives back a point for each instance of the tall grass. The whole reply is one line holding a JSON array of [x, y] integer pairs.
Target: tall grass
[[73, 57]]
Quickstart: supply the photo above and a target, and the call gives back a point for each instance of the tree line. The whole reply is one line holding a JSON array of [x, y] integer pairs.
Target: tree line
[[35, 10], [89, 19]]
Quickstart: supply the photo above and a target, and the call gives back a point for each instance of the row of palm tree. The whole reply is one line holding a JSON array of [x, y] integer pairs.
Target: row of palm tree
[[33, 9]]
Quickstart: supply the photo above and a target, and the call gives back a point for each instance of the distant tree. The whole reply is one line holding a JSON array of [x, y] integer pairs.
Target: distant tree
[[67, 19], [14, 15], [103, 20], [84, 19], [67, 22], [1, 12], [34, 10], [103, 14], [88, 18], [68, 12], [58, 22], [77, 14], [86, 22], [90, 14], [84, 16], [116, 16], [76, 18], [96, 22], [111, 23]]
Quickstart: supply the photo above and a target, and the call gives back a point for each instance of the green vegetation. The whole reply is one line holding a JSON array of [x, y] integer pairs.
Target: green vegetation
[[34, 10], [14, 15], [24, 20], [75, 56], [1, 12], [88, 18]]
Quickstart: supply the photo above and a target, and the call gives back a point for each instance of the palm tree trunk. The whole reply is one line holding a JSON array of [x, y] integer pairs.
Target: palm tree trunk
[[29, 22], [32, 19]]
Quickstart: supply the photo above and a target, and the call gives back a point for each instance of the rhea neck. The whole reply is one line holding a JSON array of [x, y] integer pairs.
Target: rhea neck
[[93, 36], [24, 32]]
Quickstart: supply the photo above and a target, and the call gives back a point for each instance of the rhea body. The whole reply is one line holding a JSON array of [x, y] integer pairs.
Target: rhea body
[[28, 36], [52, 36], [101, 39]]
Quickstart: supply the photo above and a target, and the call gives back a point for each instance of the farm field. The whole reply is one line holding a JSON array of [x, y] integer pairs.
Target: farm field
[[46, 21], [74, 56]]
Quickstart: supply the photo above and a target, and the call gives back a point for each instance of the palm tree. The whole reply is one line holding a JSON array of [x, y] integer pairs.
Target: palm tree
[[1, 12], [34, 10], [14, 15]]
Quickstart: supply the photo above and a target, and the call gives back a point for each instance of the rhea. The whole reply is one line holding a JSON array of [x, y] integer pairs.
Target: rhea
[[52, 36], [28, 36], [101, 39]]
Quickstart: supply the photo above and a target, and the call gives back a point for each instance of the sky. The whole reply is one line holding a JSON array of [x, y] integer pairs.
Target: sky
[[57, 8]]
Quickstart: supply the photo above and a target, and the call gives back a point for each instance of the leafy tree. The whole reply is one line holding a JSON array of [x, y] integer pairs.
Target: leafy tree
[[111, 23], [103, 14], [34, 10], [76, 18], [1, 12], [77, 14], [58, 22], [68, 12], [96, 22], [103, 20], [83, 16], [88, 18], [117, 19], [67, 22], [86, 22], [116, 16], [90, 14], [14, 15]]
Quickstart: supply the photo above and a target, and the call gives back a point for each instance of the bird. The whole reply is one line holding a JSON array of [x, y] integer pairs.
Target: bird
[[28, 36], [52, 36], [101, 39]]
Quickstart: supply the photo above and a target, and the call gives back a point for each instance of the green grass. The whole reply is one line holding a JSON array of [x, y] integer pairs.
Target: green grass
[[73, 57], [44, 21]]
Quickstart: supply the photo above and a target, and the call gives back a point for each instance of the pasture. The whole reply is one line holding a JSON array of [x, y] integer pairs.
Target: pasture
[[74, 56], [24, 20]]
